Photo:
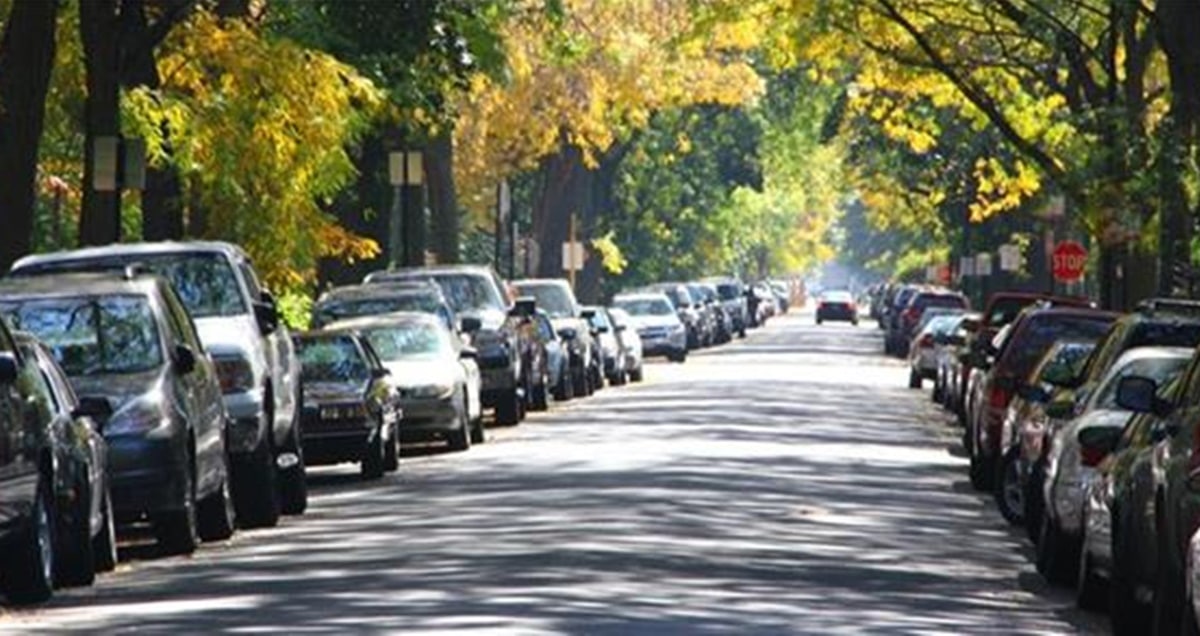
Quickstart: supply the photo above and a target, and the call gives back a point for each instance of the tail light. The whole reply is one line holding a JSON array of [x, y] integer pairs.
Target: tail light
[[998, 397], [926, 341], [911, 314], [1090, 456]]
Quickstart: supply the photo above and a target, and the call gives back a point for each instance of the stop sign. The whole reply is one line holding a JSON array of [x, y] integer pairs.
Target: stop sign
[[1070, 258]]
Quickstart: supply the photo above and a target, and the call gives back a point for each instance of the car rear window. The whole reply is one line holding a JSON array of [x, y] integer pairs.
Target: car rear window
[[1005, 310], [1034, 338], [939, 300], [1164, 334]]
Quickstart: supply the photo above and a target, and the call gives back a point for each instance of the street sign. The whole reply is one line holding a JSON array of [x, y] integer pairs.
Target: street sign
[[105, 152], [572, 256], [1010, 258], [966, 266], [983, 264], [1069, 261]]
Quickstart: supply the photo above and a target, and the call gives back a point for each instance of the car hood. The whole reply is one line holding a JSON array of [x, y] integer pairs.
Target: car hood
[[491, 319], [577, 324], [423, 371], [325, 392], [229, 335], [645, 322], [118, 388]]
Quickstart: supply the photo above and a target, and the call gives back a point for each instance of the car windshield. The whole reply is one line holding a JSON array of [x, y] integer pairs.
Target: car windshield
[[1161, 370], [645, 306], [941, 325], [469, 292], [398, 342], [1165, 334], [205, 281], [599, 319], [554, 299], [92, 336], [729, 291], [330, 311], [1024, 349], [1005, 310], [678, 296], [1073, 355], [331, 359]]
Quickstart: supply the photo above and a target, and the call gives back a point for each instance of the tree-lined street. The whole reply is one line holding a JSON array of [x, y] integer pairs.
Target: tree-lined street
[[787, 483]]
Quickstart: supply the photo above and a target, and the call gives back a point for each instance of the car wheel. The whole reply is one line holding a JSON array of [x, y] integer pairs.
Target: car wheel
[[478, 435], [293, 479], [508, 411], [216, 515], [1090, 592], [372, 464], [914, 379], [541, 400], [29, 568], [1127, 616], [579, 380], [566, 386], [1008, 492], [980, 472], [1166, 613], [1055, 556], [177, 530], [391, 452], [460, 439], [1032, 500], [255, 493], [76, 563], [636, 375], [104, 549]]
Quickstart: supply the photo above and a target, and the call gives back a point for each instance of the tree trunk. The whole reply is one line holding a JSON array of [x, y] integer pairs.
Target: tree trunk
[[364, 210], [603, 201], [566, 190], [27, 58], [1179, 34], [443, 204], [100, 221]]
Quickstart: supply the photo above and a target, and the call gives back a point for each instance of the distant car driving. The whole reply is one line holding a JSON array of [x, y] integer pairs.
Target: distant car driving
[[837, 305]]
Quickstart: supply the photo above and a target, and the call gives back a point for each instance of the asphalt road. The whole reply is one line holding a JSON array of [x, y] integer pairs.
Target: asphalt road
[[787, 483]]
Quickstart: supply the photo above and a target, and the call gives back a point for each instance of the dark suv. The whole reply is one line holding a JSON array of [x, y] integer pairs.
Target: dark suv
[[126, 341], [477, 296]]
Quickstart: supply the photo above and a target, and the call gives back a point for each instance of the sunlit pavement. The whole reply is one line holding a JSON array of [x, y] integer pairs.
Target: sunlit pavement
[[784, 484]]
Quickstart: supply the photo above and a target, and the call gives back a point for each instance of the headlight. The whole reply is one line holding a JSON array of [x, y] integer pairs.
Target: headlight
[[677, 328], [430, 391], [235, 372], [139, 417], [343, 411]]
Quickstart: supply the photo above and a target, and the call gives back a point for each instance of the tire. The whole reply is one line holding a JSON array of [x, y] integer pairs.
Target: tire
[[1056, 557], [104, 548], [981, 473], [372, 464], [579, 382], [391, 452], [508, 411], [914, 379], [293, 480], [76, 563], [541, 401], [1034, 507], [636, 375], [177, 531], [29, 571], [460, 439], [1008, 492], [566, 386], [1127, 617], [1166, 613], [678, 358], [215, 515], [255, 494], [478, 435], [1090, 590]]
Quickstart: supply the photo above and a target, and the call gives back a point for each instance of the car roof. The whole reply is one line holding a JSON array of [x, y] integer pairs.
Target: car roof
[[381, 290], [76, 284], [1140, 353], [642, 296], [116, 250], [431, 270], [384, 320]]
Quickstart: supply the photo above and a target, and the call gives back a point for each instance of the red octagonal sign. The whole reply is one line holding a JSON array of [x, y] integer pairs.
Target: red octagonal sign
[[1070, 259]]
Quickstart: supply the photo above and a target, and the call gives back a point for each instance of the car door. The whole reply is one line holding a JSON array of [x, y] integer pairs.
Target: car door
[[16, 489], [283, 367]]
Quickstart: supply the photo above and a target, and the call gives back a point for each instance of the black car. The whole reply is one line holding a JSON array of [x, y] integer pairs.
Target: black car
[[126, 340], [353, 301], [837, 305], [349, 411], [478, 297], [55, 516]]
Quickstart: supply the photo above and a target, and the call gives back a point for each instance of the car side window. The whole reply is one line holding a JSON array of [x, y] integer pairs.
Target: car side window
[[182, 327], [1106, 351], [252, 284], [1191, 388], [545, 330], [6, 341]]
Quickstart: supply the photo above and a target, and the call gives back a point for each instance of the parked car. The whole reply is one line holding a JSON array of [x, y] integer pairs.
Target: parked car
[[732, 294], [710, 313], [1026, 428], [56, 522], [691, 312], [922, 356], [894, 304], [239, 325], [656, 323], [722, 323], [909, 318], [353, 301], [555, 297], [558, 359], [1071, 465], [126, 342], [612, 353], [948, 385], [478, 297], [631, 342], [1015, 354], [837, 305], [351, 413]]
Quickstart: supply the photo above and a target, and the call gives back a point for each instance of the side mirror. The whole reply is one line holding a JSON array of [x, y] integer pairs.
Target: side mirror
[[601, 329], [1060, 409], [468, 353], [1101, 440], [470, 324], [955, 340], [184, 359], [380, 372], [523, 308], [1138, 394], [587, 314], [1033, 393], [620, 328], [267, 317], [567, 333], [8, 368], [97, 408]]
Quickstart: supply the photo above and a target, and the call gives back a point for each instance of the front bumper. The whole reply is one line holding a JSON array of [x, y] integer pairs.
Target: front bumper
[[147, 476], [658, 344], [426, 419], [336, 441]]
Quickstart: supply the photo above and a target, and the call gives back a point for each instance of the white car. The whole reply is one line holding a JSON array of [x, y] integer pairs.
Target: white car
[[654, 319], [435, 375], [631, 342]]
